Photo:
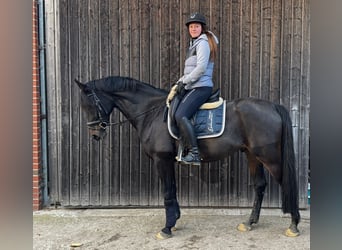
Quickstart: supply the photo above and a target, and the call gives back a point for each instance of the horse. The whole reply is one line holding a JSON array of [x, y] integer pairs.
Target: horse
[[259, 128]]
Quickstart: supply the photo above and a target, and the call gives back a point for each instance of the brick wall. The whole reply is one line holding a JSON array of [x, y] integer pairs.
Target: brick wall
[[36, 154]]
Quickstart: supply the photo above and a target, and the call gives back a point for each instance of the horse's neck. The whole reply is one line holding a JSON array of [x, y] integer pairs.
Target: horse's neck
[[139, 106]]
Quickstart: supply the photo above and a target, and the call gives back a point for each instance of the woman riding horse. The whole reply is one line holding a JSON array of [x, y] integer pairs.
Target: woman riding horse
[[196, 85]]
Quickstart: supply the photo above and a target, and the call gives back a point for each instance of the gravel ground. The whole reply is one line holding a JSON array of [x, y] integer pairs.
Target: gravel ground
[[136, 229]]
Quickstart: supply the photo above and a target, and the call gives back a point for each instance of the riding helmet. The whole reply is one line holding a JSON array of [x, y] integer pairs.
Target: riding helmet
[[196, 18]]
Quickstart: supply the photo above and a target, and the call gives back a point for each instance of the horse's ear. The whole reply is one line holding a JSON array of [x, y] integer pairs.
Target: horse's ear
[[81, 85]]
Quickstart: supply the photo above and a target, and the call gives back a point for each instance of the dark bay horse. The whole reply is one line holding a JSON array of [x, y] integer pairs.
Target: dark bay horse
[[261, 129]]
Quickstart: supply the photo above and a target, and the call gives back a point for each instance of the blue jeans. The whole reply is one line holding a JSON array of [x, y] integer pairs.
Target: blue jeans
[[191, 102]]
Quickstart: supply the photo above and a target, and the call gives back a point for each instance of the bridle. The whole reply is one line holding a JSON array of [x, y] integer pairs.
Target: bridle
[[103, 115], [102, 112]]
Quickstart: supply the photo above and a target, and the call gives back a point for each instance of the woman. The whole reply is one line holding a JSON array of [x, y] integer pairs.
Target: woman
[[196, 81]]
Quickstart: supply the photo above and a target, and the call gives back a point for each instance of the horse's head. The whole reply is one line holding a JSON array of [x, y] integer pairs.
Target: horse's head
[[97, 115]]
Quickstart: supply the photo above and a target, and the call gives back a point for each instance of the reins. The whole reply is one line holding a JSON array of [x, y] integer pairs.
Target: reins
[[104, 124], [137, 116]]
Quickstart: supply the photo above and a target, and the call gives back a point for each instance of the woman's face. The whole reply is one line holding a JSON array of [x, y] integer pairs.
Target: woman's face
[[195, 30]]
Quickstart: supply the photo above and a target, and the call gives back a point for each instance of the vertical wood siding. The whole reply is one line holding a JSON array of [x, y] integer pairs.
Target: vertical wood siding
[[263, 52]]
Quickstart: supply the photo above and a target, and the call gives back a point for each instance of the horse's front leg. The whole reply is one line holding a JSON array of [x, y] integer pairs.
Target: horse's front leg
[[172, 212]]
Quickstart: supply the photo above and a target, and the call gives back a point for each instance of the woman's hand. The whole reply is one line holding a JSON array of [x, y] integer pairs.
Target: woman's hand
[[180, 87]]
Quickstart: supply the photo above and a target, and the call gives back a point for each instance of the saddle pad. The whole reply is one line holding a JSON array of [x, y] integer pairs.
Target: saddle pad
[[212, 105], [208, 123]]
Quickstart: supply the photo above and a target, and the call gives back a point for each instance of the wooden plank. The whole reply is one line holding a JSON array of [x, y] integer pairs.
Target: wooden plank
[[275, 57], [176, 28], [215, 26], [295, 73], [164, 34], [245, 36], [244, 182], [271, 193], [156, 194], [84, 136], [255, 50], [214, 184], [194, 6], [145, 23], [135, 72], [234, 181], [52, 66], [114, 132], [266, 10], [275, 75], [235, 48], [74, 103], [225, 65], [145, 163], [236, 33], [155, 43], [94, 73], [125, 63], [301, 84], [65, 110], [223, 182], [183, 185], [286, 53], [194, 182], [303, 171], [203, 196], [104, 70], [219, 18], [184, 34]]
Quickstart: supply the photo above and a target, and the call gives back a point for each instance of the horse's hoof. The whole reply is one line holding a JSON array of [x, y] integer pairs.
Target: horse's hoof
[[244, 228], [290, 233], [173, 229], [163, 236]]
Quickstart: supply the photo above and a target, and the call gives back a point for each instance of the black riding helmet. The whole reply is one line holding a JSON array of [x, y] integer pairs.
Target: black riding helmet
[[196, 18]]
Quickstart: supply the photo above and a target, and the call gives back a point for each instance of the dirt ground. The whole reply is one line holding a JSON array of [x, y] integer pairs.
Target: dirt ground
[[136, 229]]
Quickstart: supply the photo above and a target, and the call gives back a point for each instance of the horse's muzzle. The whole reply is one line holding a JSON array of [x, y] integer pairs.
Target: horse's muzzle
[[97, 130], [98, 134], [96, 137]]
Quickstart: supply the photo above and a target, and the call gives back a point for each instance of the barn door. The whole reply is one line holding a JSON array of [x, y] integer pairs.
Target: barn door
[[263, 52]]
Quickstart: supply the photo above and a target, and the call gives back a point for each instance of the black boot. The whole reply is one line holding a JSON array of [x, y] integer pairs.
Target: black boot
[[188, 133]]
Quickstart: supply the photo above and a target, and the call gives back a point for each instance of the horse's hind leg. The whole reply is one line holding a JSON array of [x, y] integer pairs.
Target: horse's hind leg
[[293, 231], [258, 175]]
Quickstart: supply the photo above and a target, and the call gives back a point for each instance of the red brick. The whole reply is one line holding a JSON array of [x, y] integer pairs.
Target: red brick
[[36, 153]]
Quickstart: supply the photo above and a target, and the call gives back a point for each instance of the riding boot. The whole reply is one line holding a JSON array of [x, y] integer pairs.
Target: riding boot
[[188, 133]]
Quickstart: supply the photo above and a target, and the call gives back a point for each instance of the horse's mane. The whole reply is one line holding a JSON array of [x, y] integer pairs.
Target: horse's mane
[[119, 83]]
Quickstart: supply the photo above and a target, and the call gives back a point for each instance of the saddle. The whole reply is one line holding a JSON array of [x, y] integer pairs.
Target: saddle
[[209, 120]]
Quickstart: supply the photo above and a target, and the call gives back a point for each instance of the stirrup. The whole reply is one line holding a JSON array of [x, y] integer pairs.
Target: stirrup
[[195, 163], [194, 159], [180, 157], [179, 152]]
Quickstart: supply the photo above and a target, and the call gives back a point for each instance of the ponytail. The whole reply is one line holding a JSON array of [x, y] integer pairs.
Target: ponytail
[[212, 45], [211, 41]]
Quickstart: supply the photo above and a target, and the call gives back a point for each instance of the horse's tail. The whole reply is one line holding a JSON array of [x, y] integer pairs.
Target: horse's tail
[[289, 179]]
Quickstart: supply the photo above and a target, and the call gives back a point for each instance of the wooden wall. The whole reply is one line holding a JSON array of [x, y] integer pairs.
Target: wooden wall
[[264, 51]]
